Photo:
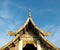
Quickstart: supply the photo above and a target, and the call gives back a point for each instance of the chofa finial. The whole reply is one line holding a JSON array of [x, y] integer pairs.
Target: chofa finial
[[29, 12]]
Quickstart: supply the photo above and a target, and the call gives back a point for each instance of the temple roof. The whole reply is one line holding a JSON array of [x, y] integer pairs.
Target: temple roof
[[29, 23]]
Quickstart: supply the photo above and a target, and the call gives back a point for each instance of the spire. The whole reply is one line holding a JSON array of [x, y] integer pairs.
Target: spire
[[29, 12]]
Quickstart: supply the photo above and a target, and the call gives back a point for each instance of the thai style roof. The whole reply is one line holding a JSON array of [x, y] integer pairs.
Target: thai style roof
[[40, 34]]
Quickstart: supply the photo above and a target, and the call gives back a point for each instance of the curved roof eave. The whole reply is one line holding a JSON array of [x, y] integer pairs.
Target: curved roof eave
[[48, 42], [12, 41]]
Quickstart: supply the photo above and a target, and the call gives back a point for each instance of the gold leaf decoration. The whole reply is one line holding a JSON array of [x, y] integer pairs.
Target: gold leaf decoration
[[47, 34], [11, 33]]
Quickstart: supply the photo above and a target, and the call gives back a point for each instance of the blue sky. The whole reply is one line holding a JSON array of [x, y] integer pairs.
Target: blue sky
[[45, 14]]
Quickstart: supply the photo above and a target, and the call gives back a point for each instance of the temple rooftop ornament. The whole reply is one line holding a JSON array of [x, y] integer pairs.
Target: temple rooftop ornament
[[29, 36], [29, 12], [11, 33]]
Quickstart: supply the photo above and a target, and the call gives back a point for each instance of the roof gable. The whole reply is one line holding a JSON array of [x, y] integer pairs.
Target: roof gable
[[30, 25]]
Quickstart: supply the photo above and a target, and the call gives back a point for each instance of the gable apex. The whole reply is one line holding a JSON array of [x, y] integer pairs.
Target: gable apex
[[29, 20]]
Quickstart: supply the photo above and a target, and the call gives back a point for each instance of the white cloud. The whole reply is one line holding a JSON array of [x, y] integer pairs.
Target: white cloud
[[2, 42], [2, 22], [4, 12], [19, 6]]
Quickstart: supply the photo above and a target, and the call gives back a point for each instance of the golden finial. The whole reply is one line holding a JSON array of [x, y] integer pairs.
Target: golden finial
[[29, 12]]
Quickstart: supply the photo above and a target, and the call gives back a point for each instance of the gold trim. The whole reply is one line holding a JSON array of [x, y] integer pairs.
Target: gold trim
[[29, 42]]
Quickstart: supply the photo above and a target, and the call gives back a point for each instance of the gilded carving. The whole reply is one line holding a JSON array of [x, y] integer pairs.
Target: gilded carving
[[27, 39], [29, 42]]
